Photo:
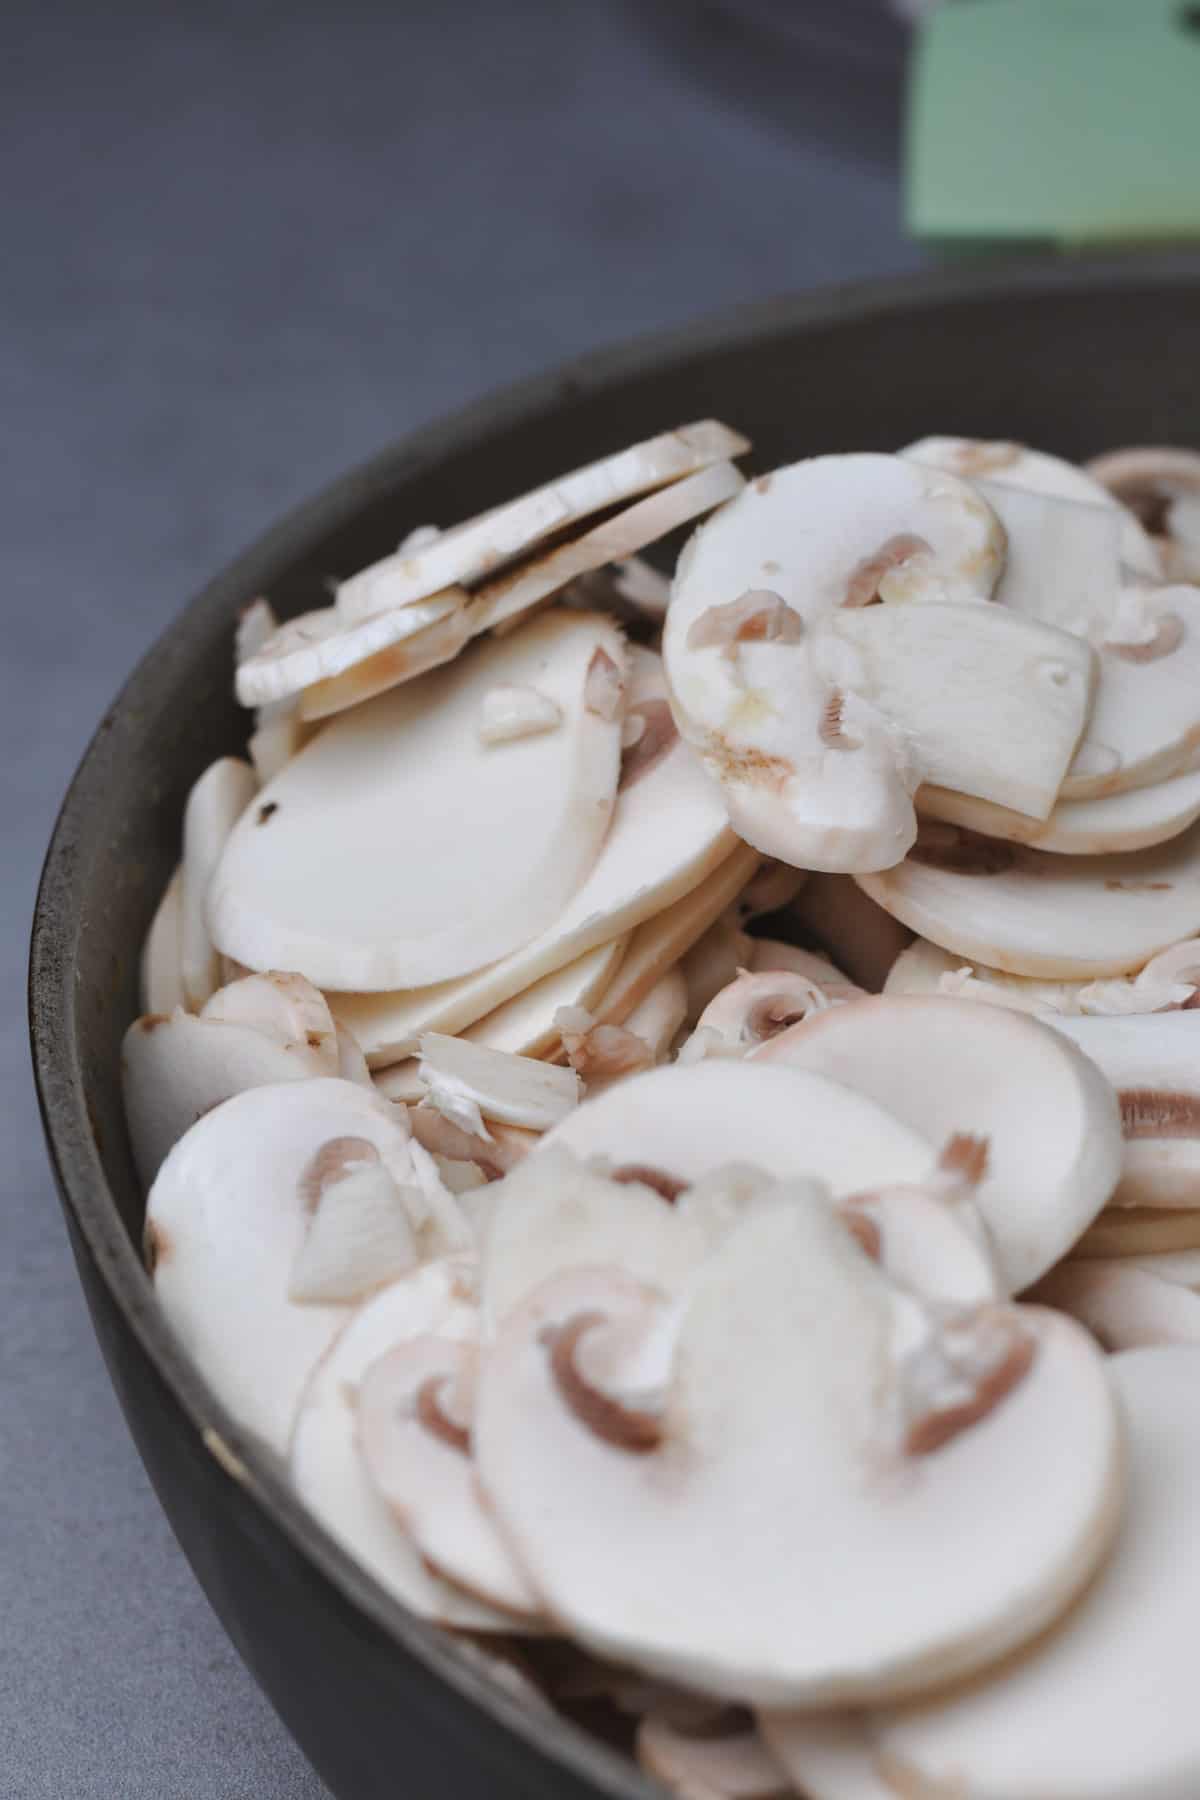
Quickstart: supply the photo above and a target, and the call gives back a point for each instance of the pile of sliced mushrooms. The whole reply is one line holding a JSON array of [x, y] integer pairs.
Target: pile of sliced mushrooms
[[669, 1105]]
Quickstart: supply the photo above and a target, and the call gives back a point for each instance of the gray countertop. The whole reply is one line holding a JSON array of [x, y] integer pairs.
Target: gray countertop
[[244, 246]]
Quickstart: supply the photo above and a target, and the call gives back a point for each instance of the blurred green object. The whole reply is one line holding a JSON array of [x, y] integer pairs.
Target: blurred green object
[[1072, 122]]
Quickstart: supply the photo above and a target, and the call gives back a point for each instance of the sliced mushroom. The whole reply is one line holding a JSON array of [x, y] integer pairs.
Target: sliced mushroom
[[755, 1489], [502, 1149], [1160, 485], [713, 962], [320, 647], [161, 983], [1140, 1231], [1124, 1308], [507, 712], [469, 1083], [860, 936], [769, 956], [284, 1007], [690, 1120], [724, 1759], [1179, 1266], [1151, 1061], [228, 1214], [1079, 1713], [396, 849], [668, 832], [360, 1237], [1030, 912], [328, 1469], [1134, 820], [473, 549], [1049, 1120], [658, 1019], [931, 1238], [1168, 981], [524, 1025], [414, 1436], [216, 803], [351, 1063], [755, 1008], [278, 729]]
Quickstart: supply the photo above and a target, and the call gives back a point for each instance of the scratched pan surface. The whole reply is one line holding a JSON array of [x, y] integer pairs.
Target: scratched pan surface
[[1074, 357]]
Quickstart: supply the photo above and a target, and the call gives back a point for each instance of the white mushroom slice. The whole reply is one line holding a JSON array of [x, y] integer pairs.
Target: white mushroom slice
[[283, 1006], [360, 1238], [754, 1008], [507, 712], [1151, 1060], [162, 953], [278, 730], [471, 550], [1049, 1121], [429, 648], [396, 849], [931, 1239], [658, 1019], [319, 645], [710, 1763], [1160, 485], [1064, 557], [862, 939], [176, 1069], [1078, 1715], [638, 582], [401, 1082], [668, 832], [1036, 472], [925, 969], [794, 1456], [770, 956], [351, 1063], [226, 1219], [327, 1467], [1180, 1266], [502, 1149], [1030, 912], [713, 962], [1120, 822], [414, 1435], [524, 1025], [214, 806], [468, 1081], [514, 592], [1124, 1308], [1140, 1231], [688, 1121]]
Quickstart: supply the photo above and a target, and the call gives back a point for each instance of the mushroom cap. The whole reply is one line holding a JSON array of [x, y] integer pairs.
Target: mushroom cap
[[947, 1067], [668, 832], [175, 1070], [214, 806], [690, 1120], [469, 551], [1030, 912], [1102, 1708], [1130, 820], [762, 1554], [162, 953], [858, 934], [319, 645], [524, 1025], [284, 1007], [410, 1438], [396, 849], [1124, 1308], [226, 1217], [326, 1464]]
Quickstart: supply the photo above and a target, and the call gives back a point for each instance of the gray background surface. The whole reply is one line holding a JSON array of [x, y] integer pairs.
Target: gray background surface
[[243, 247]]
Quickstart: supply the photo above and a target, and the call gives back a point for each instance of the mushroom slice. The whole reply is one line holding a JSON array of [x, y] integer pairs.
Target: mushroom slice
[[214, 806], [502, 1149], [1140, 1231], [176, 1069], [859, 935], [769, 956], [469, 1083], [162, 953], [755, 1008], [473, 549], [1124, 1308], [429, 648], [925, 969], [1064, 557], [1030, 912], [1076, 1714], [327, 1467], [1150, 1059], [931, 1238], [658, 1019], [396, 849], [668, 832], [1180, 1266], [414, 1436], [229, 1213], [509, 712], [319, 645], [505, 597], [1049, 1122], [690, 1120], [1037, 472], [278, 731], [284, 1007], [1133, 820], [524, 1025], [351, 1063], [722, 1759], [1158, 484], [774, 1463], [713, 962]]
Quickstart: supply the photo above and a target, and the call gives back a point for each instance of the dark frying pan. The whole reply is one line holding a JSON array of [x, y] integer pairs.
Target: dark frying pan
[[1070, 356]]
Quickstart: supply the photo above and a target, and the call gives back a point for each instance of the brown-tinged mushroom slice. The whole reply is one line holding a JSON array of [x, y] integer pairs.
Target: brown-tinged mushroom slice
[[501, 1150], [668, 833], [469, 551], [1077, 1713], [859, 935], [414, 1436], [396, 849], [216, 803], [1047, 1117], [724, 1759], [230, 1211], [284, 1007], [1030, 912], [524, 1025], [691, 1120], [1124, 1308], [327, 1467], [161, 983], [779, 1452], [1131, 820]]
